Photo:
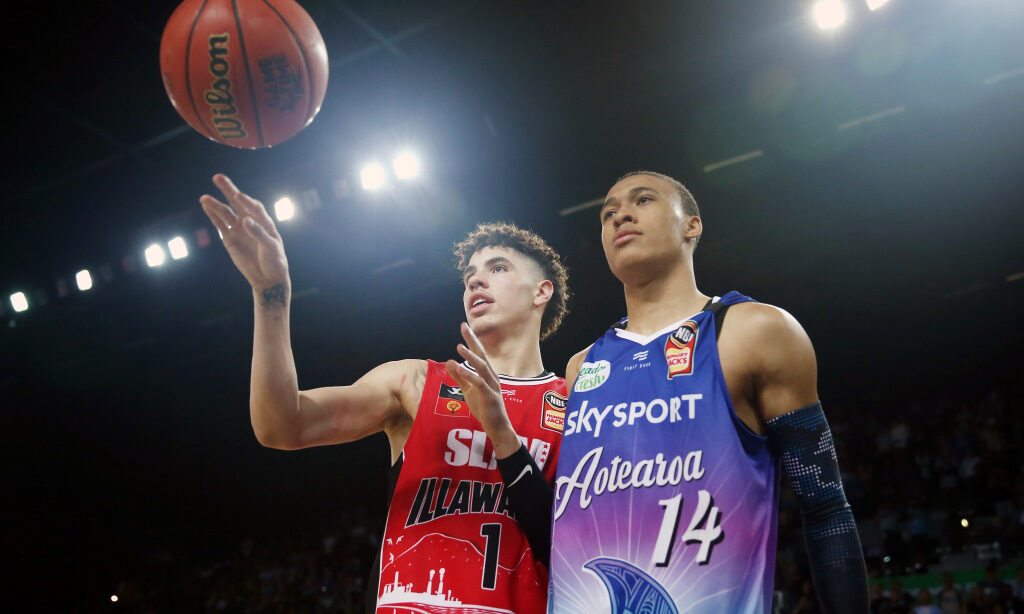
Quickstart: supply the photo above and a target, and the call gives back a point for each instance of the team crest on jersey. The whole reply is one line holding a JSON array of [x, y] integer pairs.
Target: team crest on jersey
[[679, 349], [553, 414], [450, 402]]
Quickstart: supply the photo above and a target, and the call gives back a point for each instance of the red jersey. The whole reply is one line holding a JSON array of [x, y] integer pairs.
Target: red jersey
[[451, 543]]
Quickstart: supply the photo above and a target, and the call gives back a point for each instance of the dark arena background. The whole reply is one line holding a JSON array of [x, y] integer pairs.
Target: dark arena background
[[867, 176]]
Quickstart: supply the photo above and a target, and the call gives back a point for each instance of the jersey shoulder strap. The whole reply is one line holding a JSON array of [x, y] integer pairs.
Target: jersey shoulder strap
[[719, 306]]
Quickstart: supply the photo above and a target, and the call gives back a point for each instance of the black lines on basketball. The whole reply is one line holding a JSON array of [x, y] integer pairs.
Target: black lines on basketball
[[248, 74], [305, 60], [188, 79]]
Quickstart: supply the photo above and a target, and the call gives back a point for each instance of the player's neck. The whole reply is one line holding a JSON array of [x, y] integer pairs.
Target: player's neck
[[659, 301], [514, 355]]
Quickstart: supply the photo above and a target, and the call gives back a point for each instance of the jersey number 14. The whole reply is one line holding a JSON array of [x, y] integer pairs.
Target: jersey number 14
[[706, 514]]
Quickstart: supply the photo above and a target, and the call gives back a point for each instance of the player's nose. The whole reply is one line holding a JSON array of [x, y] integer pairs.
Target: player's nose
[[476, 281]]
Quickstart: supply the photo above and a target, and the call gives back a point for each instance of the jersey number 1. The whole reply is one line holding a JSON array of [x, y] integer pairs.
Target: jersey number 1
[[705, 514], [493, 534]]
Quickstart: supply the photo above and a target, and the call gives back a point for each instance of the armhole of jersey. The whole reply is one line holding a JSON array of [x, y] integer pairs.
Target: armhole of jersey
[[373, 581], [750, 440]]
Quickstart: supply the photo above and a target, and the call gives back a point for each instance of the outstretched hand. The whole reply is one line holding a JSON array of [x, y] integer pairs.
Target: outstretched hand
[[482, 391], [249, 235]]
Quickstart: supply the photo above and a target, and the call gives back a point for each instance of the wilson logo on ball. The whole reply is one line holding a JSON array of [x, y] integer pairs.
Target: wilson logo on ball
[[222, 103]]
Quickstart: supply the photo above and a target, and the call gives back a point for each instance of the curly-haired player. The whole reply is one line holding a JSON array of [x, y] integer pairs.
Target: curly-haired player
[[451, 539]]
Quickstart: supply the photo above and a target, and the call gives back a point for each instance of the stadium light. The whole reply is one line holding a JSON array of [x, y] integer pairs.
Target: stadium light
[[406, 165], [284, 209], [877, 4], [19, 302], [178, 248], [84, 280], [155, 255], [372, 176], [830, 14]]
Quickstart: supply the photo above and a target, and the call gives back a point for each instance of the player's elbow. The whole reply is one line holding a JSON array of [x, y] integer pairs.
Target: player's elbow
[[271, 434]]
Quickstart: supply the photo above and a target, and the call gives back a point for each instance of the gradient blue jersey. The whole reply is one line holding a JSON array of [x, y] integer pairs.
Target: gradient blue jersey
[[664, 500]]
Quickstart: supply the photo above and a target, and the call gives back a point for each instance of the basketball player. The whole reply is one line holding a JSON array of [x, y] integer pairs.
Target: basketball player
[[666, 498], [449, 540]]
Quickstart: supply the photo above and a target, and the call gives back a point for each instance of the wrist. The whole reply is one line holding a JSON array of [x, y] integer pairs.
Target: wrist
[[506, 443], [273, 296]]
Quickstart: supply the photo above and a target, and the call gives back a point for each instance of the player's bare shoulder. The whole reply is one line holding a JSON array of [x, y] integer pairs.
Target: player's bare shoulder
[[762, 335], [572, 368], [767, 360]]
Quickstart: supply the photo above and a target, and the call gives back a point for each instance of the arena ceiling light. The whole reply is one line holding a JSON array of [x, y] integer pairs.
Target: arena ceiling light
[[178, 248], [830, 14], [155, 255], [19, 302], [284, 209], [84, 280], [372, 176], [406, 165], [876, 4]]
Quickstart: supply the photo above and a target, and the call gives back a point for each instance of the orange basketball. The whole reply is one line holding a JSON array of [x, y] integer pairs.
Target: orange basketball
[[245, 73]]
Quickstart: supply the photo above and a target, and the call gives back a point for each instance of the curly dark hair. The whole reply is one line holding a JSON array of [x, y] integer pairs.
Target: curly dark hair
[[505, 234]]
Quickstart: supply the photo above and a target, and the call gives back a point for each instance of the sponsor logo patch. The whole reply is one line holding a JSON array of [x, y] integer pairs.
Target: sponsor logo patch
[[592, 375], [679, 349], [450, 402], [553, 416]]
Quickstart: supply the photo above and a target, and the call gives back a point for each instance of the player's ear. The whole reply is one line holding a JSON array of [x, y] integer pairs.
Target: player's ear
[[693, 228], [543, 292]]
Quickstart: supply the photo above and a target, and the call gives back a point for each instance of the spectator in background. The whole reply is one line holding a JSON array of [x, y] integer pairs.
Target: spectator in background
[[950, 600], [1018, 589], [992, 586], [924, 603], [976, 602], [879, 602], [900, 601]]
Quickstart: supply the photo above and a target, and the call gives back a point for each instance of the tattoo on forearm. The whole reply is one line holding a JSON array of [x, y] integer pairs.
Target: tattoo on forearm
[[273, 297]]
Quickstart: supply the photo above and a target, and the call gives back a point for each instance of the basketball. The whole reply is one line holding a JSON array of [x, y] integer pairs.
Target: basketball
[[245, 73]]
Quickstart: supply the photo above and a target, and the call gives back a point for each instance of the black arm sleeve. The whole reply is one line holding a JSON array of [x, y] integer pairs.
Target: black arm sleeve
[[531, 498], [802, 440]]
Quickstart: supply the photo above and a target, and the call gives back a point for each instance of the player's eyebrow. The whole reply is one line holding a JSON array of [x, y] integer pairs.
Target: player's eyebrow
[[632, 192]]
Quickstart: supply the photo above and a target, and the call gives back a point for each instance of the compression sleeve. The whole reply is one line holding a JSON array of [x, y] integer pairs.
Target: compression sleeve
[[531, 498], [802, 440]]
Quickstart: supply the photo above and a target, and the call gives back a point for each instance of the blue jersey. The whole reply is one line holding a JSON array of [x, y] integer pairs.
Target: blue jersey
[[665, 501]]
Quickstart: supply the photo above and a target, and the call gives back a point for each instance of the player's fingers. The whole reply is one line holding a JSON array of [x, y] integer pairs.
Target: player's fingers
[[462, 376], [245, 204], [220, 214], [483, 372], [257, 231], [473, 342]]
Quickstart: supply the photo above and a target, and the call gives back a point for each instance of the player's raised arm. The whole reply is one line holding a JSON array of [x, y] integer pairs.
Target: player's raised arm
[[283, 416]]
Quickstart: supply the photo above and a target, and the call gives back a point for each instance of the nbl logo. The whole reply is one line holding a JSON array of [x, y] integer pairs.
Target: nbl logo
[[679, 349]]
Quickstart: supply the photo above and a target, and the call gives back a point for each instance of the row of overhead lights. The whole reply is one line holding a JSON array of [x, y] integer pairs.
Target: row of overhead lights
[[404, 167], [830, 14]]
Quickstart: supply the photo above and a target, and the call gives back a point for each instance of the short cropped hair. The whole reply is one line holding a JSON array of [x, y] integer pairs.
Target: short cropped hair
[[531, 245], [689, 203]]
